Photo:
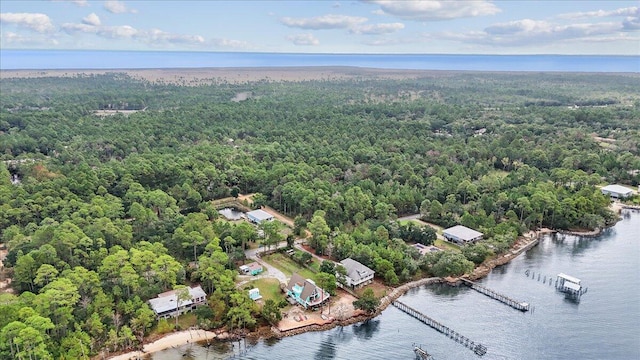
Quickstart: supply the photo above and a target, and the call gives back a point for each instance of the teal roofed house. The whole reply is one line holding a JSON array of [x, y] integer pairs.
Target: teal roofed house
[[252, 269], [305, 292]]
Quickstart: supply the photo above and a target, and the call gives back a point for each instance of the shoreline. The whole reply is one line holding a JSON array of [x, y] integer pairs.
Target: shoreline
[[522, 244]]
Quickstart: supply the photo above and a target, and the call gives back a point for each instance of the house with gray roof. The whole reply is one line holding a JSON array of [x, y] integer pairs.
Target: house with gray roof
[[462, 235], [305, 292], [258, 216], [617, 191], [166, 304], [357, 274]]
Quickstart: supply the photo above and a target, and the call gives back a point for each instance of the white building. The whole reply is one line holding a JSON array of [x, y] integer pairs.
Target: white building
[[166, 304], [357, 274], [258, 216], [617, 191], [462, 234]]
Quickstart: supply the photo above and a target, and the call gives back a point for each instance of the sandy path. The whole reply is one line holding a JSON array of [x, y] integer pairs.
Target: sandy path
[[169, 341], [4, 283]]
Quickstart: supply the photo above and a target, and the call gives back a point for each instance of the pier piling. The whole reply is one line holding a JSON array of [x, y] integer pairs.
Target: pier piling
[[518, 305], [479, 349]]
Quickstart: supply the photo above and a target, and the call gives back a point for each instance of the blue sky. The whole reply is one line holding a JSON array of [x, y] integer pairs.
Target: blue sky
[[367, 26]]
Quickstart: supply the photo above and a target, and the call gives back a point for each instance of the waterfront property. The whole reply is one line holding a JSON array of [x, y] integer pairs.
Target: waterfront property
[[167, 304], [357, 274], [617, 191], [570, 285], [305, 292], [251, 269], [258, 216], [462, 235]]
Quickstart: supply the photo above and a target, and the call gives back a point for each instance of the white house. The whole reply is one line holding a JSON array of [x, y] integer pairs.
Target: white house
[[462, 234], [357, 274], [166, 304], [617, 191], [258, 216]]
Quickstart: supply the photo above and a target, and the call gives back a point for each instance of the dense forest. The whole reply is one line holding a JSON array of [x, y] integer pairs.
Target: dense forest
[[101, 213]]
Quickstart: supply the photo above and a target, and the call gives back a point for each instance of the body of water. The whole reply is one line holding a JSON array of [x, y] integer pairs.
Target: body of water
[[231, 213], [84, 59], [603, 325]]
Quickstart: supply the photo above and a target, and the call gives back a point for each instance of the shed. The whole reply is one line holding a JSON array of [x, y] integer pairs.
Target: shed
[[617, 191], [252, 268], [462, 234], [254, 294], [258, 216]]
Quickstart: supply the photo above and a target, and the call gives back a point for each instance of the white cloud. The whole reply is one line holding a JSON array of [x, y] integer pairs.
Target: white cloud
[[91, 19], [532, 32], [303, 40], [377, 29], [426, 10], [391, 41], [629, 11], [77, 2], [230, 43], [158, 36], [109, 32], [9, 38], [152, 37], [324, 22], [117, 7], [33, 21]]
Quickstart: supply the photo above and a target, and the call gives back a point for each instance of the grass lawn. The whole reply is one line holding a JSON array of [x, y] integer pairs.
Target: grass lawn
[[288, 266], [405, 222], [446, 245], [269, 288]]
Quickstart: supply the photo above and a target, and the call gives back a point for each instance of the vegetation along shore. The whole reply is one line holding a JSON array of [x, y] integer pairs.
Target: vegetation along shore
[[113, 186]]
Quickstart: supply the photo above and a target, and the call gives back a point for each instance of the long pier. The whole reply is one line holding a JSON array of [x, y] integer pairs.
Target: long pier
[[518, 305], [479, 349]]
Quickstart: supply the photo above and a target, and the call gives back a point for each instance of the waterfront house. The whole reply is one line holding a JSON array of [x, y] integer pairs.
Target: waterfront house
[[251, 269], [166, 304], [305, 292], [617, 191], [462, 235], [258, 216], [357, 274]]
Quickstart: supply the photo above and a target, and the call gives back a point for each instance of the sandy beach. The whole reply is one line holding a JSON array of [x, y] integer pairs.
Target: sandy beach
[[169, 341]]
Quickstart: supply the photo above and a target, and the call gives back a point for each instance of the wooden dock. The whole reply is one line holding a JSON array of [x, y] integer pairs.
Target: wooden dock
[[479, 349], [518, 305]]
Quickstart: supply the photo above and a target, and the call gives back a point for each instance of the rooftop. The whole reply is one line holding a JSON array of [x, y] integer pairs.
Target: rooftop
[[463, 232], [617, 189], [355, 270], [260, 215], [168, 301]]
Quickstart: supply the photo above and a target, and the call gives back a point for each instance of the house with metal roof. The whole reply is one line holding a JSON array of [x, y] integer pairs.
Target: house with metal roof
[[617, 191], [462, 235], [166, 305], [258, 216], [357, 274], [305, 292]]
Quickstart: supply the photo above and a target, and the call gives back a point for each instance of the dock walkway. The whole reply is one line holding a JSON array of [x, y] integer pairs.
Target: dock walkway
[[518, 305], [479, 349]]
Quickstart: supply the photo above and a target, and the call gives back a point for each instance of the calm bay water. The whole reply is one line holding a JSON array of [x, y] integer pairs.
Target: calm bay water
[[603, 325], [84, 59]]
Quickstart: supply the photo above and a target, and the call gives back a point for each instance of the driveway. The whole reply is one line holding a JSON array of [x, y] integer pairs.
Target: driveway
[[272, 272]]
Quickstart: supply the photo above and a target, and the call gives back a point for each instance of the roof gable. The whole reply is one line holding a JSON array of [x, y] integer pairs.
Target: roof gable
[[355, 270]]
